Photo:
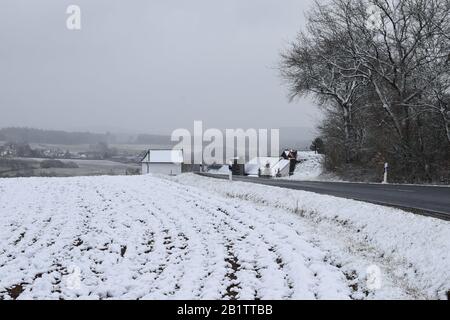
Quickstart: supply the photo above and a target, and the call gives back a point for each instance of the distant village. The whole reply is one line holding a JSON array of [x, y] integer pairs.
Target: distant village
[[30, 160], [99, 151], [34, 152]]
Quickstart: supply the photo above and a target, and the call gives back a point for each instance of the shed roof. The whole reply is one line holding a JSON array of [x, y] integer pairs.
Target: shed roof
[[163, 156]]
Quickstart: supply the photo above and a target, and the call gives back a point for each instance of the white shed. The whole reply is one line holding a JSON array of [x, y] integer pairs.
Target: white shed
[[162, 161], [267, 166]]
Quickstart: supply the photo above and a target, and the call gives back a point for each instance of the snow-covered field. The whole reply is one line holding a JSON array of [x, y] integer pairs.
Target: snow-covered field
[[144, 237]]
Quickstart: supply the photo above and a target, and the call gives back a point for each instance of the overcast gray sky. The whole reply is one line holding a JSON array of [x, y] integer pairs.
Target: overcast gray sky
[[148, 65]]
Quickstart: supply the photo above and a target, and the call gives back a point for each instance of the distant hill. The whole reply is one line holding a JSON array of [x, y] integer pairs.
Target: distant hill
[[154, 139], [290, 137], [31, 135]]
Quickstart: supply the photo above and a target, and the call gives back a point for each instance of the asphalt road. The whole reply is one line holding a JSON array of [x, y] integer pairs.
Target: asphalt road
[[426, 200]]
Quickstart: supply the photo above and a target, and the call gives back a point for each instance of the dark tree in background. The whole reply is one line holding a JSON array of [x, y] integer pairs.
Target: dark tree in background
[[317, 146], [380, 69]]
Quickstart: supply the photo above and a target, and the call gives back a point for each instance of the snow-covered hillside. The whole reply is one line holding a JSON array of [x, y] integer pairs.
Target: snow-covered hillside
[[310, 166], [144, 237]]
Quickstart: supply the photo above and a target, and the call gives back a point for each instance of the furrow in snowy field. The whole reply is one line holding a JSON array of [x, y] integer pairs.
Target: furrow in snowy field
[[412, 251], [142, 237], [145, 237]]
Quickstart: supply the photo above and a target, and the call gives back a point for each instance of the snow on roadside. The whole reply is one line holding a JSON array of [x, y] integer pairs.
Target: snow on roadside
[[412, 251], [310, 168]]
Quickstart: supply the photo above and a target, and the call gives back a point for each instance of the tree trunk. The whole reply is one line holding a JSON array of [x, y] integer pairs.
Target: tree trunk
[[447, 129], [446, 116], [348, 130], [388, 108]]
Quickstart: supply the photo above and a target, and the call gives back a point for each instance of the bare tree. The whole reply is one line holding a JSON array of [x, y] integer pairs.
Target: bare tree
[[313, 65], [386, 63], [401, 47]]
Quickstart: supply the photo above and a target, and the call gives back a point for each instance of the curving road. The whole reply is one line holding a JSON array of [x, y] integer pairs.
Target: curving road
[[427, 200]]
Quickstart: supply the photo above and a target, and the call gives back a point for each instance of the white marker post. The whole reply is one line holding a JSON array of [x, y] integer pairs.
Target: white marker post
[[385, 172]]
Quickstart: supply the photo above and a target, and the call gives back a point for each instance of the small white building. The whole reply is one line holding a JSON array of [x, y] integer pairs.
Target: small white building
[[162, 161], [267, 167]]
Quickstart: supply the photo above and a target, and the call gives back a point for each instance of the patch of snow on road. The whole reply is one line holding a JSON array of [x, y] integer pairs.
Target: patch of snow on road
[[224, 170]]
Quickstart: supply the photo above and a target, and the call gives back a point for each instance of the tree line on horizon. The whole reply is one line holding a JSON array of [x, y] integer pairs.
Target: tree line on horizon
[[32, 135], [380, 70], [59, 137]]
